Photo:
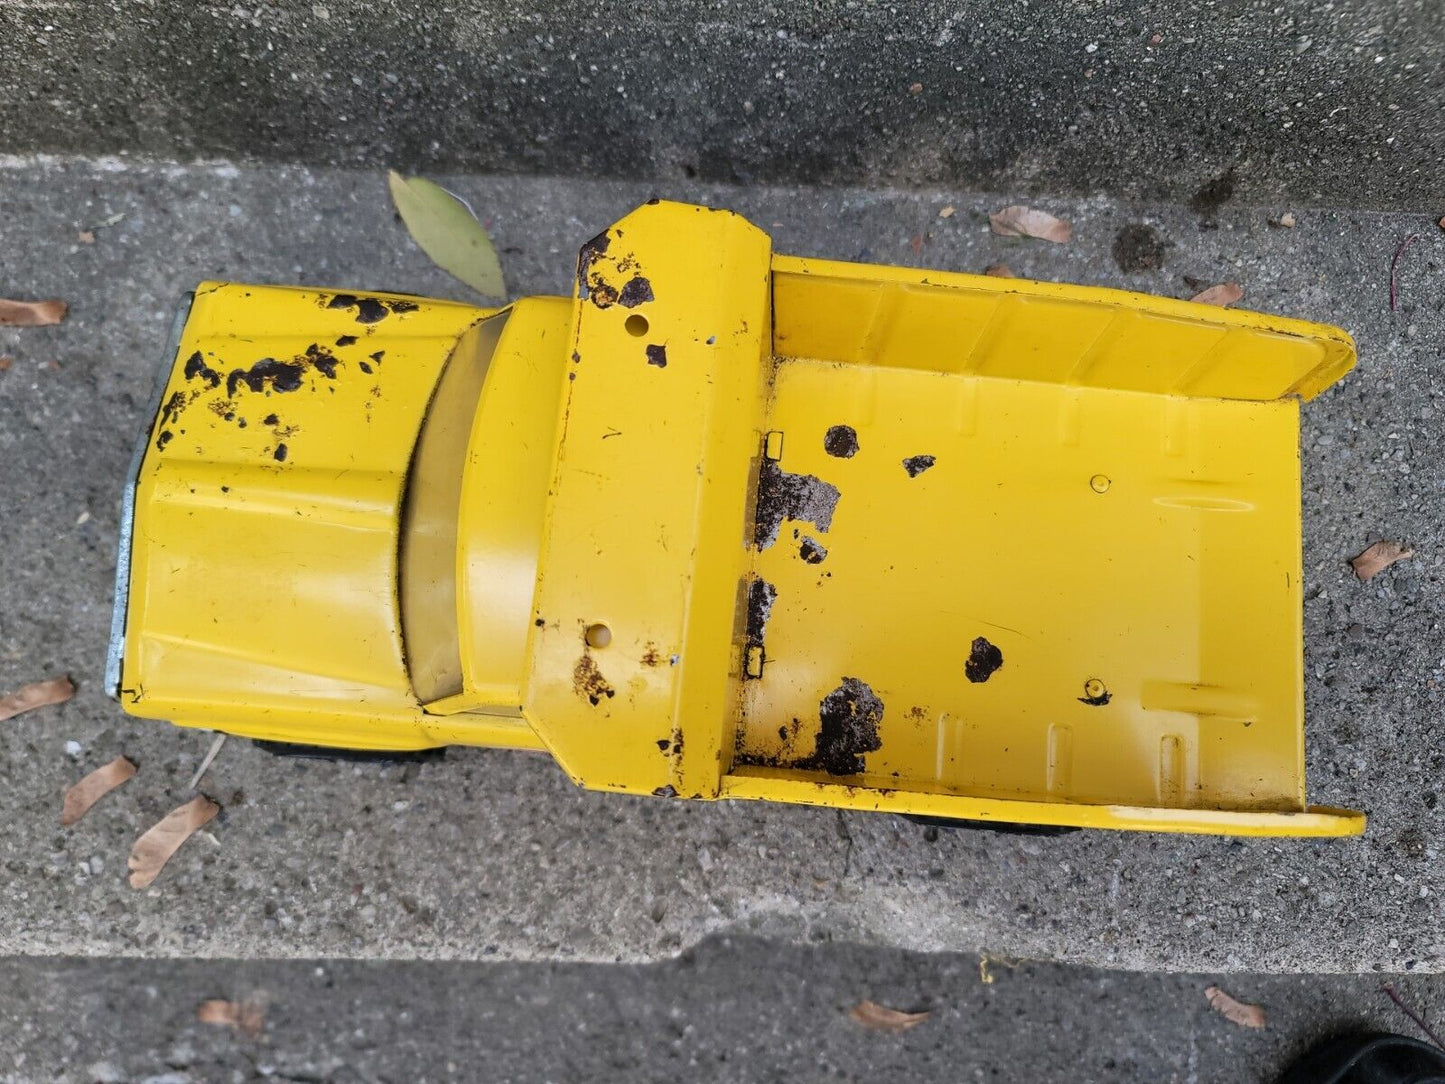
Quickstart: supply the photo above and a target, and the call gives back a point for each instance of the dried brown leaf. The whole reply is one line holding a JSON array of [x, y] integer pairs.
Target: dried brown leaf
[[247, 1016], [999, 271], [31, 313], [95, 786], [154, 849], [1224, 294], [5, 362], [916, 243], [1379, 557], [1233, 1010], [877, 1017], [947, 212], [86, 237], [36, 695], [1019, 221], [1288, 220]]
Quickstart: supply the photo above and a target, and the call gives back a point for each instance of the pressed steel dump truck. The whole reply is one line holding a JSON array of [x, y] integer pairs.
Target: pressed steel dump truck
[[731, 524]]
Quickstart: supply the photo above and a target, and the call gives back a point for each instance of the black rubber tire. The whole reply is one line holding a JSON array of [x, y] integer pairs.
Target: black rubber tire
[[1368, 1058], [359, 756], [1006, 828]]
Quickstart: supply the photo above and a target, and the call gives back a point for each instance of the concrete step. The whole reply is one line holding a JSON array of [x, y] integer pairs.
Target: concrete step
[[731, 1010], [497, 854]]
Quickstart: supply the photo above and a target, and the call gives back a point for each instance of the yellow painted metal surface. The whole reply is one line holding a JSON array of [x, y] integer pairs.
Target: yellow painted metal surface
[[732, 524]]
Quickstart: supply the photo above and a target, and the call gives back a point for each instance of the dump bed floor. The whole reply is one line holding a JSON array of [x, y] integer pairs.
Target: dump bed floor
[[1054, 593]]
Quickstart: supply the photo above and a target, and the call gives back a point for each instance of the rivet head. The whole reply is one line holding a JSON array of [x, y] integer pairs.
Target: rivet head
[[1094, 688], [1099, 483]]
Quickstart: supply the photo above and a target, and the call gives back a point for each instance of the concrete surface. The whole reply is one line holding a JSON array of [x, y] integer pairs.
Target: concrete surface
[[1320, 101], [733, 1010], [495, 854]]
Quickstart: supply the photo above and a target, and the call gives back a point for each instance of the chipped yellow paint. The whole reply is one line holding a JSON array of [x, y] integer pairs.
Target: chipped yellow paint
[[729, 524]]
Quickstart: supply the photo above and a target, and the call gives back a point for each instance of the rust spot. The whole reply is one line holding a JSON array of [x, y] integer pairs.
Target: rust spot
[[270, 419], [368, 309], [402, 306], [280, 453], [345, 340], [664, 744], [377, 356], [650, 655], [761, 596], [668, 791], [917, 713], [196, 367], [657, 355], [364, 367], [268, 374], [812, 551], [917, 464], [587, 681], [1100, 700], [790, 496], [163, 438], [173, 406], [588, 283], [983, 660], [841, 441], [636, 291], [849, 718], [324, 362]]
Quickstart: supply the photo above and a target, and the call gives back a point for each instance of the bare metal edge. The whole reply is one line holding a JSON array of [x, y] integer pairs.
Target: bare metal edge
[[116, 648]]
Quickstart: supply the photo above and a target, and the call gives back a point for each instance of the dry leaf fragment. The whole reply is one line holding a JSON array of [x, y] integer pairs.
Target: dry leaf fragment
[[447, 231], [1223, 295], [5, 362], [915, 89], [1379, 557], [86, 237], [36, 695], [1236, 1012], [31, 313], [999, 271], [877, 1017], [154, 849], [947, 212], [95, 786], [247, 1016], [1019, 221], [1287, 220]]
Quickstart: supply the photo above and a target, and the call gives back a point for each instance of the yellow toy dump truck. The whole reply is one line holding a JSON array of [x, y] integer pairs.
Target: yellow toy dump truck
[[730, 524]]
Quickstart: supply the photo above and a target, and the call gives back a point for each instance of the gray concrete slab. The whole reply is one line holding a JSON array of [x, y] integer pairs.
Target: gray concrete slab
[[496, 854], [732, 1010], [1318, 100]]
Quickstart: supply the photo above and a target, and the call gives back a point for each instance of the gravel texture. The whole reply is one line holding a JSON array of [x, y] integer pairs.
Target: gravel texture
[[1319, 101], [731, 1010]]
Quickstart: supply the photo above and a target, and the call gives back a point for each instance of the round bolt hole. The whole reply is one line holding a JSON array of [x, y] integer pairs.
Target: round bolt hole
[[1094, 688], [1099, 483], [598, 636], [636, 325]]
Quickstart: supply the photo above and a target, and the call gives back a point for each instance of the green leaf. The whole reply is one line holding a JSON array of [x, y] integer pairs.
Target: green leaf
[[447, 232]]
